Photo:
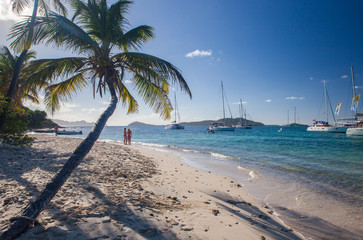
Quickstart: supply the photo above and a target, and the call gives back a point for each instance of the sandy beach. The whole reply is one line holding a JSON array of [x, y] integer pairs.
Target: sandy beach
[[129, 192]]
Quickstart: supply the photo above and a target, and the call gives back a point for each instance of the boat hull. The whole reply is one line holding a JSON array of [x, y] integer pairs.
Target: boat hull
[[174, 127], [222, 128], [355, 131], [68, 133], [243, 127], [327, 129]]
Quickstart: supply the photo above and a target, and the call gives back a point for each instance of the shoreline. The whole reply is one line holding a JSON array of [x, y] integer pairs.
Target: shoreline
[[295, 204], [130, 192]]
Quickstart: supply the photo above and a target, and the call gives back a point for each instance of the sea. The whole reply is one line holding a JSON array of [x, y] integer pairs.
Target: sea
[[313, 181]]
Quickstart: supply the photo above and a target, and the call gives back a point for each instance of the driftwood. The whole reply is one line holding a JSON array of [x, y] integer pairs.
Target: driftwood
[[20, 224]]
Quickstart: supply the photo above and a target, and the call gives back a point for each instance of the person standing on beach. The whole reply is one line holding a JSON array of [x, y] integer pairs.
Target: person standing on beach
[[125, 136], [129, 135]]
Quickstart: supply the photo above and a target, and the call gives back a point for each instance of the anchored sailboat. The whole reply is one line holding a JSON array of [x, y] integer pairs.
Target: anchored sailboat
[[324, 126], [174, 125], [221, 126], [356, 130], [243, 122]]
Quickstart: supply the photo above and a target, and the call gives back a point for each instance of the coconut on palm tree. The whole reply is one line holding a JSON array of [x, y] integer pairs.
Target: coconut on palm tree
[[108, 55]]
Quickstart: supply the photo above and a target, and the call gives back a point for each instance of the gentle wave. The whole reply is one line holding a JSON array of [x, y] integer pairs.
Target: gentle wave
[[218, 155]]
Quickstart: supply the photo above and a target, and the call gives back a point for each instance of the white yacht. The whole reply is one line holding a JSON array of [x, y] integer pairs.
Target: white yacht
[[358, 130], [174, 125], [243, 123], [221, 126], [324, 126]]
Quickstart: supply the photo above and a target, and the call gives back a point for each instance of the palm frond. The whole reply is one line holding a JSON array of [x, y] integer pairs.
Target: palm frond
[[63, 91], [44, 71], [142, 63], [24, 33], [19, 5], [59, 7], [135, 38], [126, 97], [154, 95]]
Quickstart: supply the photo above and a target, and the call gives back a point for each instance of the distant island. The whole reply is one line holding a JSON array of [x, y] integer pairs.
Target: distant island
[[203, 123], [72, 124]]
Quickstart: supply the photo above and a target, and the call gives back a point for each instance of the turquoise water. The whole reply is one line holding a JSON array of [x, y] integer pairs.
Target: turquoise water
[[328, 161]]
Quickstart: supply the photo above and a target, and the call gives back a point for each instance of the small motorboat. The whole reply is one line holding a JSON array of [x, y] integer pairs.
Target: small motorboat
[[64, 132]]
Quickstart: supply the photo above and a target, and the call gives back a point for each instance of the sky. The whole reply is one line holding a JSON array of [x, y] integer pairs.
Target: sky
[[272, 54]]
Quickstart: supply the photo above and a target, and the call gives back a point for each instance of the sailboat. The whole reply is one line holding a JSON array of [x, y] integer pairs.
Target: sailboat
[[243, 123], [324, 126], [347, 122], [221, 126], [358, 129], [174, 125]]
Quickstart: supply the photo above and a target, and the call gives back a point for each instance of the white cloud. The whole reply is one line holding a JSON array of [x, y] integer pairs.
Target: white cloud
[[294, 98], [239, 103], [268, 100], [128, 81], [6, 12], [67, 107], [311, 78], [344, 76], [198, 53]]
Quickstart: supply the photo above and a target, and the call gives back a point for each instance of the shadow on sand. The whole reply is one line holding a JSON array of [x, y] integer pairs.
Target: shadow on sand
[[17, 172]]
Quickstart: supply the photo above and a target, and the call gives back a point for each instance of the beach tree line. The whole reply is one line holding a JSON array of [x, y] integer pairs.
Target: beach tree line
[[19, 118], [108, 54]]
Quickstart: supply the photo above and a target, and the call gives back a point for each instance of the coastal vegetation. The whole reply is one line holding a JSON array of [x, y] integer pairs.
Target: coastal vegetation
[[18, 118], [22, 45], [108, 55]]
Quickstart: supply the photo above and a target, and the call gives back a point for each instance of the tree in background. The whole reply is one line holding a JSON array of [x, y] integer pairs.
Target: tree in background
[[17, 119], [23, 43], [101, 33], [23, 90]]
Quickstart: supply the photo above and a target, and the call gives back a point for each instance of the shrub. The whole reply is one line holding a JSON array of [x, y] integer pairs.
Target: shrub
[[16, 124]]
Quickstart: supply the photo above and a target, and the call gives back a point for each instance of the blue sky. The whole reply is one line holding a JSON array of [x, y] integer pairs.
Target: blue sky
[[271, 54]]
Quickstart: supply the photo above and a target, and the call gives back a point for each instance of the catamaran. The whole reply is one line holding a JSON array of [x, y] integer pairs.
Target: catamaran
[[358, 129], [324, 126], [221, 126], [347, 122], [174, 125]]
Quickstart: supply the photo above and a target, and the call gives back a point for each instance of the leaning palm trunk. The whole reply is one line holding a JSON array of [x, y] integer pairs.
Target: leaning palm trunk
[[17, 70], [35, 208]]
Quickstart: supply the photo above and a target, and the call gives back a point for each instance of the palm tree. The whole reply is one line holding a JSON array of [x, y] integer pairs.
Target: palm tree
[[22, 90], [100, 33], [24, 42]]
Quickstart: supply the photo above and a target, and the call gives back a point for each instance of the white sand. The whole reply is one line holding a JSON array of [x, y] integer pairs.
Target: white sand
[[128, 192]]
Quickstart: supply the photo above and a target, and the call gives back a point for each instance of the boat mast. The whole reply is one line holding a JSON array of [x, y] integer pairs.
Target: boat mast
[[224, 114], [241, 111], [176, 107], [294, 116], [353, 84], [326, 102], [288, 120]]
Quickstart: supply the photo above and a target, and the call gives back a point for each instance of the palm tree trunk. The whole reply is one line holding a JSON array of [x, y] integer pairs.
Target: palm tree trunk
[[35, 208], [17, 70]]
